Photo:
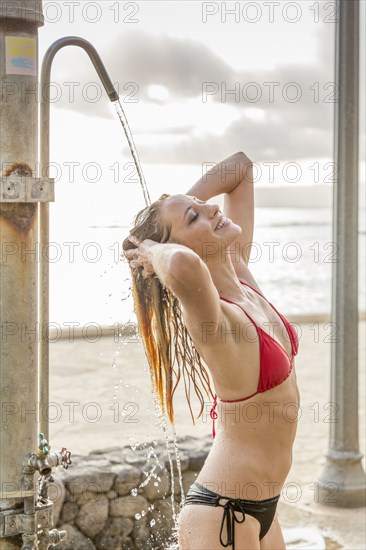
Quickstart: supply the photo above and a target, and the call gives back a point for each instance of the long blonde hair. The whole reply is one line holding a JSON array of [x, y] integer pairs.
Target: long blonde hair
[[168, 346]]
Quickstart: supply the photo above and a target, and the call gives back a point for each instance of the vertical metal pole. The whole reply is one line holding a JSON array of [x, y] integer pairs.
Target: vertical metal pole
[[342, 481], [44, 269], [19, 22]]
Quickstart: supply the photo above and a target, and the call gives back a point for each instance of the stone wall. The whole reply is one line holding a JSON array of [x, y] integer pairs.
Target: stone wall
[[119, 498]]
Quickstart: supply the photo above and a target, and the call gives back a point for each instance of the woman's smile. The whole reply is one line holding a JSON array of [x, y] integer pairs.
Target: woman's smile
[[224, 221]]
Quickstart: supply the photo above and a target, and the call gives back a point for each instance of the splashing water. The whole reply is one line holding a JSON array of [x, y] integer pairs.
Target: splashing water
[[133, 150], [163, 424], [179, 468]]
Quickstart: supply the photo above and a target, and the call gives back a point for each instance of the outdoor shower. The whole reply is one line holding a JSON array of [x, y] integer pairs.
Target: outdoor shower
[[25, 508], [25, 191]]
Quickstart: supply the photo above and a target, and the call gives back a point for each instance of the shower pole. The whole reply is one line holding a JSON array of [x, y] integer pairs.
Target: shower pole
[[19, 23], [342, 480], [20, 196], [24, 201]]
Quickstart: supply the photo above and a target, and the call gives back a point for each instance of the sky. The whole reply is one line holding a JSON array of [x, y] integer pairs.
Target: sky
[[198, 81], [197, 84]]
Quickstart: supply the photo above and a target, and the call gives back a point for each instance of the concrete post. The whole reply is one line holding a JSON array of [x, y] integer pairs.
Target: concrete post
[[342, 481], [19, 22]]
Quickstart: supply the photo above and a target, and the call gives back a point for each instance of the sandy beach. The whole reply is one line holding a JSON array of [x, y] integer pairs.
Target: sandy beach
[[100, 397]]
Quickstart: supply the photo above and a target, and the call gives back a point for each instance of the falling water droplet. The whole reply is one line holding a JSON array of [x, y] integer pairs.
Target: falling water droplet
[[137, 516], [152, 523], [134, 492]]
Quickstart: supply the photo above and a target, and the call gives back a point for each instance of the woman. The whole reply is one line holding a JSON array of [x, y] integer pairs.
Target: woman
[[196, 259]]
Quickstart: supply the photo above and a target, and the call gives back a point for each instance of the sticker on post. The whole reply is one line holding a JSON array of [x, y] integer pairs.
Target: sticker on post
[[21, 55]]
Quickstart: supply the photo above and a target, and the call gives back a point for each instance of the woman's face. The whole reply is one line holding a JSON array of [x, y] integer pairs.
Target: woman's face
[[198, 225]]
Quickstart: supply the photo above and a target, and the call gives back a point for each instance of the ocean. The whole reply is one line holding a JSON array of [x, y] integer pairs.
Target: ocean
[[291, 259]]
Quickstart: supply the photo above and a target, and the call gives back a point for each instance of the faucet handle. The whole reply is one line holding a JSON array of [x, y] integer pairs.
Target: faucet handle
[[65, 457], [43, 446]]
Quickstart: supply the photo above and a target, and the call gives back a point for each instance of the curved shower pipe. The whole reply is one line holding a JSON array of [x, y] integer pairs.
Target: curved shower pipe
[[44, 207]]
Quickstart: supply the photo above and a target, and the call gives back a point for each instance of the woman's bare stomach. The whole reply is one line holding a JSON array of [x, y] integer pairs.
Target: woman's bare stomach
[[251, 454]]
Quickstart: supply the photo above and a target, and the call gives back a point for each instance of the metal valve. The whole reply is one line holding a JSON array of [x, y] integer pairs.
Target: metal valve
[[43, 446], [65, 457]]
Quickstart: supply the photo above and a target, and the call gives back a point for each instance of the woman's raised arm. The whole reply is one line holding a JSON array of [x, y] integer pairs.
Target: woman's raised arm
[[221, 178], [181, 270], [233, 177]]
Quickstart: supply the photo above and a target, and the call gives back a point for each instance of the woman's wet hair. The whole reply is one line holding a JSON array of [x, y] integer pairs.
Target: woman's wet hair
[[168, 346], [148, 224]]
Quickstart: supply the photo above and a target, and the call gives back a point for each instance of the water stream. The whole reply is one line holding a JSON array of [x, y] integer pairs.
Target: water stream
[[131, 143], [163, 422]]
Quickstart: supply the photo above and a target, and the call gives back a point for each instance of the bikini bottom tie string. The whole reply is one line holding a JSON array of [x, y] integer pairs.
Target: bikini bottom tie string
[[214, 416], [231, 507]]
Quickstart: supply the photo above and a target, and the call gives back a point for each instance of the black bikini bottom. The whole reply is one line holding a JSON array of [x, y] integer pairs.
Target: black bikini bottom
[[262, 510]]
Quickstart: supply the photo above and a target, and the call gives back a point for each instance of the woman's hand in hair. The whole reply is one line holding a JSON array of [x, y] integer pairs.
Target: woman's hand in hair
[[140, 256]]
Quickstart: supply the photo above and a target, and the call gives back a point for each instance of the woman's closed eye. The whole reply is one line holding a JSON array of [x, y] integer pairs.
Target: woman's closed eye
[[194, 218]]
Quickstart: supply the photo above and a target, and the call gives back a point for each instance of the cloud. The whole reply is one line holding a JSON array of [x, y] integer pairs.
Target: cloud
[[137, 59], [178, 64], [297, 100], [289, 129], [261, 141], [298, 103]]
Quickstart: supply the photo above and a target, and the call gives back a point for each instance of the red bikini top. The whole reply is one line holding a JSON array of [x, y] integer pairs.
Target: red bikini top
[[275, 363]]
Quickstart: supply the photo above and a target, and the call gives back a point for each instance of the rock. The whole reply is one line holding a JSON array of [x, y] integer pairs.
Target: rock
[[97, 497], [187, 442], [104, 451], [156, 489], [57, 493], [141, 534], [197, 459], [127, 478], [114, 534], [207, 444], [115, 458], [189, 477], [86, 496], [76, 460], [89, 478], [69, 512], [128, 544], [75, 540], [128, 506], [176, 486], [96, 462], [13, 543], [93, 516], [184, 463], [136, 460], [161, 522], [190, 445]]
